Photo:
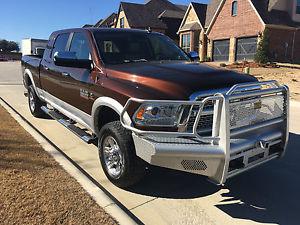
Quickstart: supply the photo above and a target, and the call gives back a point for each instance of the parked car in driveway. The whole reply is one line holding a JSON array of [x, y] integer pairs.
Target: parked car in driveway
[[142, 100]]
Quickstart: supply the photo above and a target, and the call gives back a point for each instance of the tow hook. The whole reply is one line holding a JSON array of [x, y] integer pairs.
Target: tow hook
[[264, 144]]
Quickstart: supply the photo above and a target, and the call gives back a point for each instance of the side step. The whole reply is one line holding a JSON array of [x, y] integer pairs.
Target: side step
[[86, 137]]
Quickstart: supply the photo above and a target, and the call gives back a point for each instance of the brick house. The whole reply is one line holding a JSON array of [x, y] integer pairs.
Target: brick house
[[234, 30], [192, 30], [160, 15]]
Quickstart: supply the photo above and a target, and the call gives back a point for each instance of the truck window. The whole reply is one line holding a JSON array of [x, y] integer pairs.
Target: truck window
[[80, 46], [60, 43]]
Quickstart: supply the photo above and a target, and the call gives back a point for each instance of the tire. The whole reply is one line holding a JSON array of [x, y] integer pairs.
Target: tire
[[129, 169], [35, 103]]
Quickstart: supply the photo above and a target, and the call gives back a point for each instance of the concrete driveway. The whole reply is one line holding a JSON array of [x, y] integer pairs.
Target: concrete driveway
[[267, 194]]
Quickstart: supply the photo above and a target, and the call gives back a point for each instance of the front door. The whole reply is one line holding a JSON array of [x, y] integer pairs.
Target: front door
[[76, 81]]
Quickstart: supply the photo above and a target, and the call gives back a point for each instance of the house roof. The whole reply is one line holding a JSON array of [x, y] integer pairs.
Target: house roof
[[211, 10], [190, 26], [149, 14], [276, 17], [107, 22], [172, 14], [200, 10]]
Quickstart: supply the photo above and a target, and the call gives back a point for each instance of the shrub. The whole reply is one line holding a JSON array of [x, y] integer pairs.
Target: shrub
[[262, 55]]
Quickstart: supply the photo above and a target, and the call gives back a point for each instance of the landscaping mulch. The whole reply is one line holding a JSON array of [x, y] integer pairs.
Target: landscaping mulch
[[34, 188]]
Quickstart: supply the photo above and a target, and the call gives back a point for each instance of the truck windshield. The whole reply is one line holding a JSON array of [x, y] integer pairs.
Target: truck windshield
[[130, 47]]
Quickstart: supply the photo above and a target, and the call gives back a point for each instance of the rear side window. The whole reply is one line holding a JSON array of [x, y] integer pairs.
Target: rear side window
[[60, 43], [80, 46]]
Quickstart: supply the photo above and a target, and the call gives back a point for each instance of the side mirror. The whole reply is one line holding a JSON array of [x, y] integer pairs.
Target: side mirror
[[194, 56], [69, 59]]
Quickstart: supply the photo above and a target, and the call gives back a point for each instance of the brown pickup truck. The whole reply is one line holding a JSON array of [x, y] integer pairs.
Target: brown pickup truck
[[142, 100]]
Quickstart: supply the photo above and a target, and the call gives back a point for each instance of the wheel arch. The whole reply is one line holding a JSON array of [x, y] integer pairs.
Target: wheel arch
[[109, 106], [29, 80]]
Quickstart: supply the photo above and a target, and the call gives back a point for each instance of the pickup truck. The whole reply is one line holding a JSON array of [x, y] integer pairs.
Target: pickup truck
[[143, 101]]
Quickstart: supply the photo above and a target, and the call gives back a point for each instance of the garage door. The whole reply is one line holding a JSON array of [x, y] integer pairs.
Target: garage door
[[221, 50], [246, 48]]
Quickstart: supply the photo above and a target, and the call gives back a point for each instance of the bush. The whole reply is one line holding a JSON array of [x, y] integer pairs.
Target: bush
[[262, 55]]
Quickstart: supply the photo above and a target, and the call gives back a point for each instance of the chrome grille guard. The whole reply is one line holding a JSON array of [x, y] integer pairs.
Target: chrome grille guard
[[221, 120]]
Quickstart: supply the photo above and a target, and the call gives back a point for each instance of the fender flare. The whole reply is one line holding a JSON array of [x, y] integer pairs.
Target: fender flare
[[28, 73], [111, 103]]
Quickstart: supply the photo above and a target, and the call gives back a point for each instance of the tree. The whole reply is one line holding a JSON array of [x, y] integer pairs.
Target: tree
[[262, 55], [9, 46]]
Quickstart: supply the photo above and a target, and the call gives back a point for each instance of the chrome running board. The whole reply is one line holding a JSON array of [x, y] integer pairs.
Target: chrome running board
[[69, 124]]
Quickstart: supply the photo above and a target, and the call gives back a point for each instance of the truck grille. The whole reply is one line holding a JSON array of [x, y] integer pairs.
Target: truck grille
[[253, 111], [206, 121]]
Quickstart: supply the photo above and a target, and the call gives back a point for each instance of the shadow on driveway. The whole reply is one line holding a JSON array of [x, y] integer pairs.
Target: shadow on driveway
[[268, 194]]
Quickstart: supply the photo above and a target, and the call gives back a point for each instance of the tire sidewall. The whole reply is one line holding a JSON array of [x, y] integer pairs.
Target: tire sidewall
[[32, 92], [105, 132]]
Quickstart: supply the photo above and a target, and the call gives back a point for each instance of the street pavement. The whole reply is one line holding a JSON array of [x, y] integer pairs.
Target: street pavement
[[268, 194]]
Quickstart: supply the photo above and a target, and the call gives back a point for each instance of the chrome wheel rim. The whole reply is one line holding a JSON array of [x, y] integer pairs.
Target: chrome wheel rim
[[113, 157], [31, 102]]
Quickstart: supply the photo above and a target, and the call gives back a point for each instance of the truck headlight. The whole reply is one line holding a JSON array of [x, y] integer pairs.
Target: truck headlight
[[165, 115]]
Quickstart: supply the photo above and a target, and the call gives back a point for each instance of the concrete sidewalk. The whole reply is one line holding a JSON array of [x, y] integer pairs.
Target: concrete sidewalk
[[268, 194]]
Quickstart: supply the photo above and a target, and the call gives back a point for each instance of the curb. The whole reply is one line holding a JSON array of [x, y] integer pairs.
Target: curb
[[100, 195]]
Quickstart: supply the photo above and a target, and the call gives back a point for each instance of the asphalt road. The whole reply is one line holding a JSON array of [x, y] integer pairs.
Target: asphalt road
[[267, 194]]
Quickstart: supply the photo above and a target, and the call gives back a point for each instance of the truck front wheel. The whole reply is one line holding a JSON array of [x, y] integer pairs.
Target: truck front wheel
[[117, 155], [35, 103]]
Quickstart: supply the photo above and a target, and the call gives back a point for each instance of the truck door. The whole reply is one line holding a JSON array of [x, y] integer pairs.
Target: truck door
[[76, 81], [50, 74]]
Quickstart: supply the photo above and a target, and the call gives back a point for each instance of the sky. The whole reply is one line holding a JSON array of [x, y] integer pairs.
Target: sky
[[21, 19]]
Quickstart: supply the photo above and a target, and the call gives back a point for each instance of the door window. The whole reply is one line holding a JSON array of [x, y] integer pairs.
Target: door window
[[80, 46], [60, 43]]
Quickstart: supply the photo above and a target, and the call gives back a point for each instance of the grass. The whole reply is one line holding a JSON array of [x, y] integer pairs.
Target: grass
[[34, 189]]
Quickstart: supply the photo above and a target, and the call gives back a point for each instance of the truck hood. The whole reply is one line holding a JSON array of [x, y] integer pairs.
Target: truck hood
[[174, 80]]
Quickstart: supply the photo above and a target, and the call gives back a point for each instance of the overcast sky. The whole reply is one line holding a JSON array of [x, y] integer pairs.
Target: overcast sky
[[38, 18]]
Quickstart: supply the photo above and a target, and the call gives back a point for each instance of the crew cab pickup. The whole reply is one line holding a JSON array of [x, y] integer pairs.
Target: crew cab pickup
[[142, 100]]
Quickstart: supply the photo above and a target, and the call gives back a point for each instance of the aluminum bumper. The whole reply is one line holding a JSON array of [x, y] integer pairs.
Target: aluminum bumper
[[231, 149]]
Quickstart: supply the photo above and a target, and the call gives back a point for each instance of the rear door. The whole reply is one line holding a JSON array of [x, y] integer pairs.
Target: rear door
[[50, 73], [246, 48], [221, 50]]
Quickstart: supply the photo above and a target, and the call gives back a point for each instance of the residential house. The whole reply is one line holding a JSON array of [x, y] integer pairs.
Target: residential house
[[109, 21], [233, 28], [158, 15]]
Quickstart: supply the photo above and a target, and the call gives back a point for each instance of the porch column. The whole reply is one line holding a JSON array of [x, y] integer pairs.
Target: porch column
[[202, 46], [232, 49]]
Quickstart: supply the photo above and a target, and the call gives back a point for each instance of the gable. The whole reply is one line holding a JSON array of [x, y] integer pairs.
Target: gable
[[247, 22], [190, 20]]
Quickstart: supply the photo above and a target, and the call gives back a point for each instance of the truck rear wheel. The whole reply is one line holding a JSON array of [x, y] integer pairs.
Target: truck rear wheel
[[35, 103], [117, 156]]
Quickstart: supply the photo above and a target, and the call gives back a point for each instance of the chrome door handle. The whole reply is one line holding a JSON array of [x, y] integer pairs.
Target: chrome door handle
[[65, 74]]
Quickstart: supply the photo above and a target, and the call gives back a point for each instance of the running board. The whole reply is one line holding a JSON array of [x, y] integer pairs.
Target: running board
[[82, 134]]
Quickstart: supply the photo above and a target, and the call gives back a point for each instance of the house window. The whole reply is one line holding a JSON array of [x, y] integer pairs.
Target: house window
[[298, 7], [186, 42], [122, 22], [234, 8]]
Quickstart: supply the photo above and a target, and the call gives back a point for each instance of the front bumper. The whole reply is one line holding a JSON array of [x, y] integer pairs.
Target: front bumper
[[230, 150]]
